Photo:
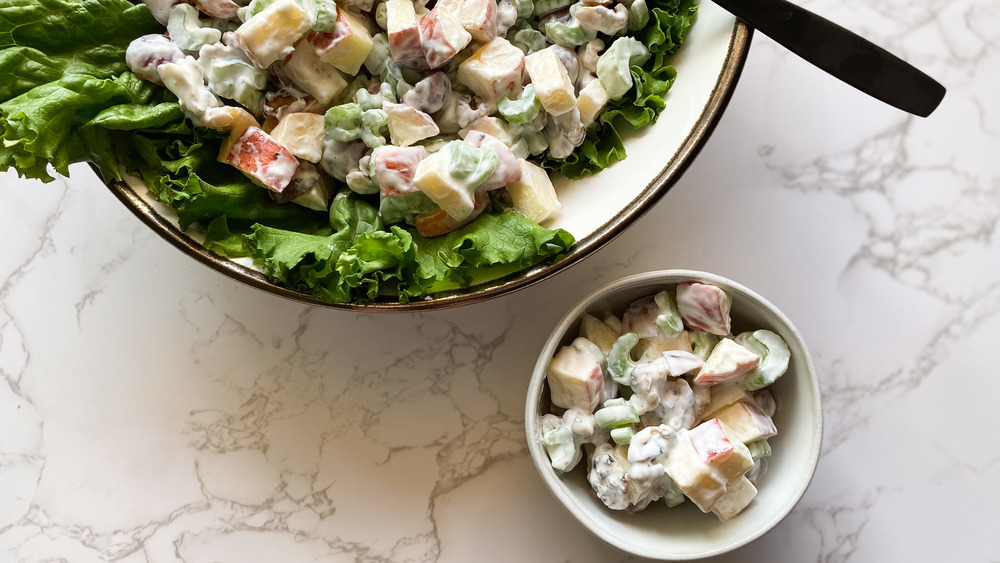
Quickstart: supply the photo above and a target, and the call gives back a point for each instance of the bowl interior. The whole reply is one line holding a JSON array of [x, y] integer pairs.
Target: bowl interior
[[594, 209], [684, 532]]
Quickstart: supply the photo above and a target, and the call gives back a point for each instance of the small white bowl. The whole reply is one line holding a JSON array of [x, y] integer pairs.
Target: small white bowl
[[684, 532]]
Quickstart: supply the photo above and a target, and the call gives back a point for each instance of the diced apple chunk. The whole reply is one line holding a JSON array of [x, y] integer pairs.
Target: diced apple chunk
[[553, 86], [319, 79], [704, 307], [640, 317], [258, 156], [240, 120], [722, 396], [649, 349], [270, 35], [592, 99], [404, 34], [407, 125], [442, 37], [727, 362], [478, 17], [575, 377], [699, 481], [737, 497], [747, 421], [720, 447], [489, 125], [598, 332], [533, 195], [302, 134], [436, 223], [347, 46], [395, 168], [495, 70]]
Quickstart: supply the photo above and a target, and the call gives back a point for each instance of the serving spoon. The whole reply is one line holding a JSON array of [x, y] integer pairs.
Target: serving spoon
[[842, 53]]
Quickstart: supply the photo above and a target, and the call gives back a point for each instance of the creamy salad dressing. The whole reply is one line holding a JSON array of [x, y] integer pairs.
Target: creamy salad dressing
[[684, 428], [394, 74]]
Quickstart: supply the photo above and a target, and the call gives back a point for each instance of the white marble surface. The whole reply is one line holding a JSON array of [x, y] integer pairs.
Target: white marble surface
[[154, 410]]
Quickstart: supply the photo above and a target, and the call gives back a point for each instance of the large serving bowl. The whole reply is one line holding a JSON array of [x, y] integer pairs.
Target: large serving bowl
[[684, 532], [594, 210]]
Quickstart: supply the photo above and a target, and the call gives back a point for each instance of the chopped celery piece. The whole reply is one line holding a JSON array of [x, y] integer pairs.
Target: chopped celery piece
[[325, 17], [528, 40], [367, 100], [524, 8], [379, 55], [561, 448], [759, 448], [253, 8], [373, 121], [343, 123], [669, 320], [774, 356], [638, 15], [613, 66], [543, 7], [524, 109], [569, 33], [471, 164], [616, 402], [702, 343], [622, 436], [620, 362], [187, 31], [617, 416]]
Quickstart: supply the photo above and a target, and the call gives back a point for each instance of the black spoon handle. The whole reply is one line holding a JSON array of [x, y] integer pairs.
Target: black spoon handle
[[842, 53]]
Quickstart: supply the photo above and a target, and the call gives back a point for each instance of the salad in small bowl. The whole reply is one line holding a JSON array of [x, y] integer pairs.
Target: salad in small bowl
[[391, 154]]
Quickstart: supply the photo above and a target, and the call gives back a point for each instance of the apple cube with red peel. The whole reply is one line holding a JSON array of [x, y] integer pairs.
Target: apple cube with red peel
[[728, 362], [747, 421], [404, 35], [723, 395], [719, 446], [640, 317], [681, 362], [302, 134], [239, 121], [395, 168], [442, 37], [704, 307], [699, 481], [407, 125], [258, 156], [575, 377], [508, 170], [347, 46], [495, 70], [737, 497]]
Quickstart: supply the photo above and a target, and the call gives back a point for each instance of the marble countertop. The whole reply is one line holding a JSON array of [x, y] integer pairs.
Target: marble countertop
[[154, 410]]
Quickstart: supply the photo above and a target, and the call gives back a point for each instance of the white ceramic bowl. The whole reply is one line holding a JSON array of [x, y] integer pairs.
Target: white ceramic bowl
[[594, 210], [684, 532]]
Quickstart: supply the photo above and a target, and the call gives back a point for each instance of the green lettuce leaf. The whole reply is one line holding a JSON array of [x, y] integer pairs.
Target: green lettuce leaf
[[62, 62], [360, 260], [666, 31]]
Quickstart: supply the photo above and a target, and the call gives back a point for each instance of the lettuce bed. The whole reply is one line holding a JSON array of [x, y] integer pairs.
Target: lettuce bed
[[67, 96]]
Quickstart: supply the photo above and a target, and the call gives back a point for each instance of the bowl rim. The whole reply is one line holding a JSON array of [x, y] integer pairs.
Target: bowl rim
[[531, 413], [725, 84]]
